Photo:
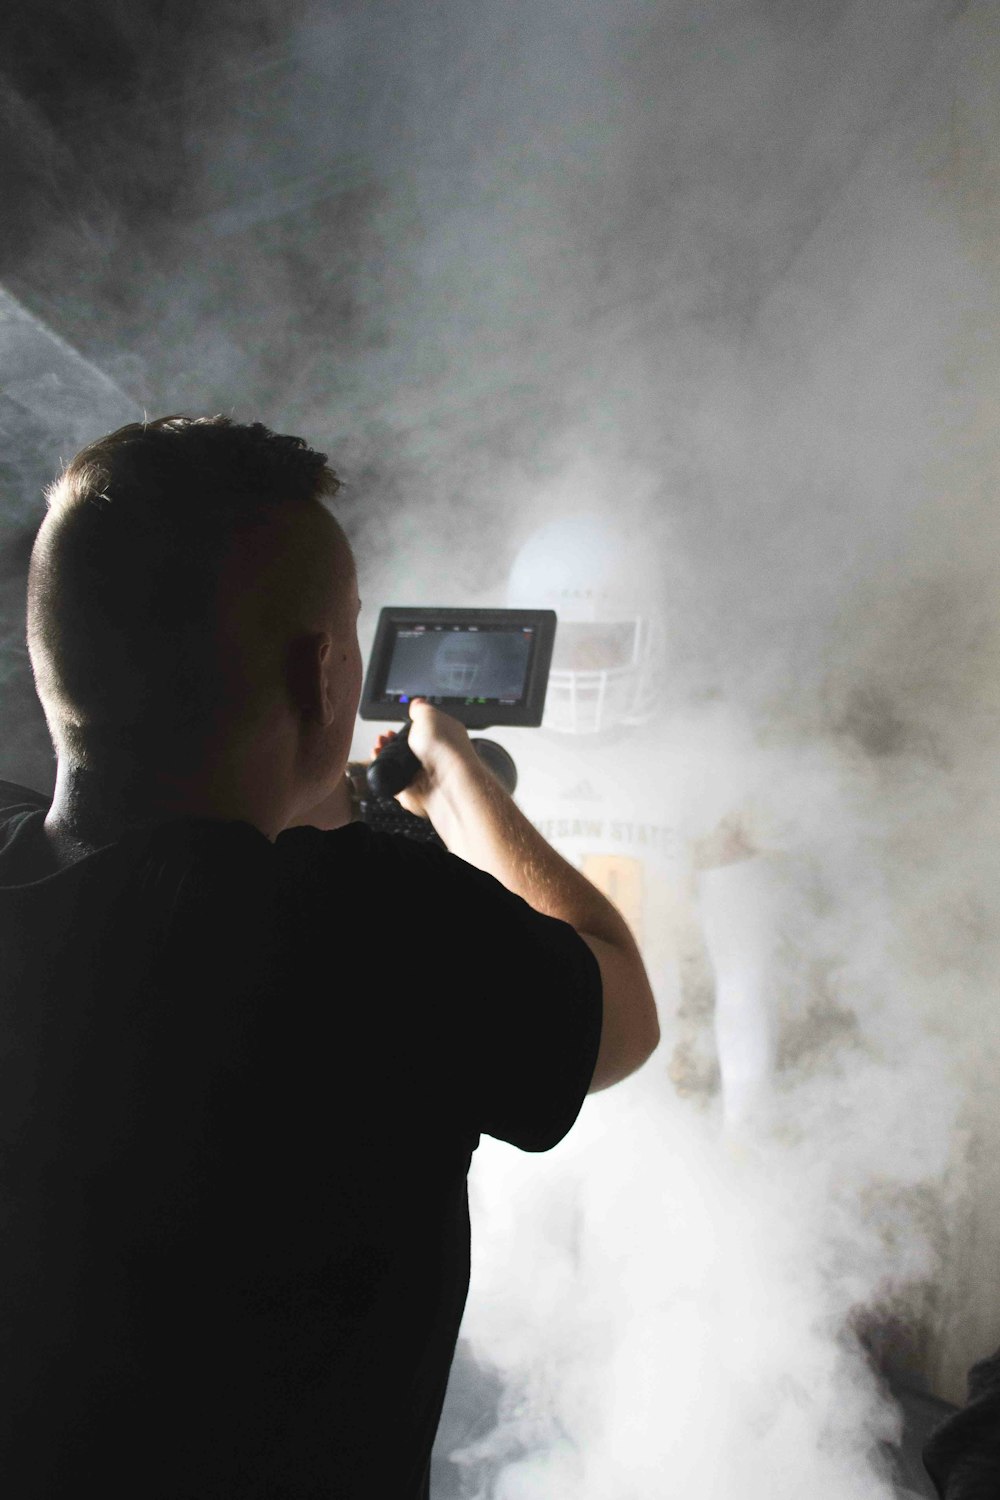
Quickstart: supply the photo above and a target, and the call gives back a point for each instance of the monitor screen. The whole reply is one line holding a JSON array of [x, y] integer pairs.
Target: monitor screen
[[476, 664], [482, 666]]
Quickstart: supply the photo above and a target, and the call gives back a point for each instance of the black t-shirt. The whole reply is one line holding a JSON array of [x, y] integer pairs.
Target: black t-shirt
[[240, 1085]]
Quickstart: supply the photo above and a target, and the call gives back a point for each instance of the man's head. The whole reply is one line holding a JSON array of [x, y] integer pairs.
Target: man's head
[[181, 587]]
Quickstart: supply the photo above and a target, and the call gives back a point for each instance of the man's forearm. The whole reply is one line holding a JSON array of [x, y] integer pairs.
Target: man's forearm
[[478, 821]]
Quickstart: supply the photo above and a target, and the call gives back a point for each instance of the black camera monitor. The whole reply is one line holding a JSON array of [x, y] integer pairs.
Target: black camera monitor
[[482, 666]]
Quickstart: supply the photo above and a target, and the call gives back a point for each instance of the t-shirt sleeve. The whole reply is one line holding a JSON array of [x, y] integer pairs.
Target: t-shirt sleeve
[[531, 1023], [510, 1000]]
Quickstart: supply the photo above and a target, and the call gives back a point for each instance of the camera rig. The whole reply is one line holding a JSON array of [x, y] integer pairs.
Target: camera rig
[[482, 666]]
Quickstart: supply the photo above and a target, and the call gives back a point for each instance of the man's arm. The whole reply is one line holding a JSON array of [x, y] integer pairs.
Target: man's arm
[[479, 822]]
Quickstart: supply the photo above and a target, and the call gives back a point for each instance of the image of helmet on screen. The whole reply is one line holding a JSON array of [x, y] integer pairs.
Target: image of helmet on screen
[[457, 664], [607, 591]]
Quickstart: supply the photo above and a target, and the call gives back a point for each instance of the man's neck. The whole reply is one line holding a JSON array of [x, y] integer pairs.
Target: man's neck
[[95, 806]]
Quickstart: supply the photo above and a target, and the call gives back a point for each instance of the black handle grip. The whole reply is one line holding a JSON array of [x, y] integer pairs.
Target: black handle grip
[[496, 759], [393, 768]]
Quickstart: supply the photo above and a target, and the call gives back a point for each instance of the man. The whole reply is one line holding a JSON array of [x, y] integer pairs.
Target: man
[[245, 1063]]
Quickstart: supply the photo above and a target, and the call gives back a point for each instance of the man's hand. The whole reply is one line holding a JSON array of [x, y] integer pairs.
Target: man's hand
[[441, 744]]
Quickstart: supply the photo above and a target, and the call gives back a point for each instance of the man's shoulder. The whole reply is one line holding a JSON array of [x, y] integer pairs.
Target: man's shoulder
[[357, 845], [404, 877], [367, 861]]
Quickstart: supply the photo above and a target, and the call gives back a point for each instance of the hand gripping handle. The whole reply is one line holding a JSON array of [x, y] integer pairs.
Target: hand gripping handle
[[393, 768]]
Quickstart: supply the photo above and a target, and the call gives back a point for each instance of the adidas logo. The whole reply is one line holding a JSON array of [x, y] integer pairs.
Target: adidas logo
[[582, 792]]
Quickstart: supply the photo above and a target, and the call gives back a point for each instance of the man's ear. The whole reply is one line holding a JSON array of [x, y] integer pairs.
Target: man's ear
[[308, 677]]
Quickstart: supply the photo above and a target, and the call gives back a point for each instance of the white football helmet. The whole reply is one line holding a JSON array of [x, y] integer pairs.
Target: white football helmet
[[607, 593]]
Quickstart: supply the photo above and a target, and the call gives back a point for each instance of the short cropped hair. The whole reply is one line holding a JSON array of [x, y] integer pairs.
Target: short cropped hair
[[127, 572]]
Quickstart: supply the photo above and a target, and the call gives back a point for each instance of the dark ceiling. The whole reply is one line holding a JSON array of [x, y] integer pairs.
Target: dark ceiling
[[179, 172], [403, 227]]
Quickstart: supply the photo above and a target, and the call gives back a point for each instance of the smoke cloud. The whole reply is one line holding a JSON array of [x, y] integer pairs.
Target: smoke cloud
[[780, 384], [724, 274]]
